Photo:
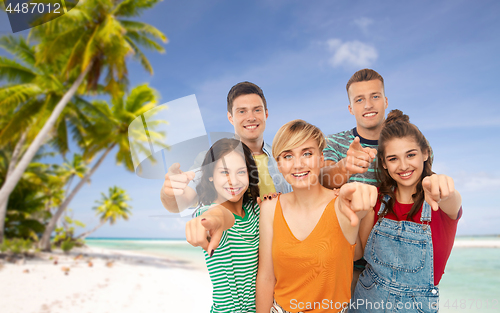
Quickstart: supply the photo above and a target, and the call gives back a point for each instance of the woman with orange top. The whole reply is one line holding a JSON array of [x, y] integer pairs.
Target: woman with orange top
[[307, 237]]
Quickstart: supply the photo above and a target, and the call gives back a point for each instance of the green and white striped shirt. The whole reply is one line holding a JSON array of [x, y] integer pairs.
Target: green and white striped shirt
[[336, 150], [233, 266]]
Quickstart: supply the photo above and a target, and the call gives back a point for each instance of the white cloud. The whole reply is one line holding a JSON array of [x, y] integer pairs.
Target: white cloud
[[363, 23], [351, 53], [474, 182]]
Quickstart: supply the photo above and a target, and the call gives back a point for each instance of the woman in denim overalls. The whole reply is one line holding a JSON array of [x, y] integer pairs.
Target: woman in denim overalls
[[399, 249]]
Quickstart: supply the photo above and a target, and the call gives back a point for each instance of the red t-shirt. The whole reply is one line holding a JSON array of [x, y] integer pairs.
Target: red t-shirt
[[443, 230]]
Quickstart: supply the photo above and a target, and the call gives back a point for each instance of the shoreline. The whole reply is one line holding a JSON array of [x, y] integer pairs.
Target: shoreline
[[148, 255], [481, 243], [460, 242]]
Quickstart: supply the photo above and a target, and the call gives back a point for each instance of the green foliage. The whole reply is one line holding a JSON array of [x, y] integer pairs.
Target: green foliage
[[114, 205], [67, 245], [114, 130], [31, 91], [100, 34], [64, 237], [17, 246], [27, 207], [96, 33]]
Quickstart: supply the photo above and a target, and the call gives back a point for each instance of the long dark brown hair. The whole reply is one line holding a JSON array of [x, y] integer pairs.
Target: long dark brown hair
[[206, 190], [397, 125]]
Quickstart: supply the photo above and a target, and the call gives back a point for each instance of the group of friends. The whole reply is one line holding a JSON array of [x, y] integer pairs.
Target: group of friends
[[352, 222]]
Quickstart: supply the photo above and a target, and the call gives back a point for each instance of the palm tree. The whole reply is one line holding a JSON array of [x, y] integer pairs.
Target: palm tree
[[28, 206], [77, 167], [104, 134], [93, 37], [27, 100], [112, 207]]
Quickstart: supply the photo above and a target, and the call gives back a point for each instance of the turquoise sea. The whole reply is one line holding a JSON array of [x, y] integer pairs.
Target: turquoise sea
[[471, 282], [168, 248]]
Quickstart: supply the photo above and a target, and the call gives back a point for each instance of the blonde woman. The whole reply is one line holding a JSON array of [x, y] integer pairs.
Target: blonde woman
[[307, 237]]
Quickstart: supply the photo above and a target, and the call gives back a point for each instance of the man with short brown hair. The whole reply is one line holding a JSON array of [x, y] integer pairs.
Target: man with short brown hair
[[349, 154], [247, 112]]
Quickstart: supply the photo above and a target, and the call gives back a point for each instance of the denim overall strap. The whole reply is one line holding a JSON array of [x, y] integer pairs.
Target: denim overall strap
[[382, 204], [400, 267], [426, 213]]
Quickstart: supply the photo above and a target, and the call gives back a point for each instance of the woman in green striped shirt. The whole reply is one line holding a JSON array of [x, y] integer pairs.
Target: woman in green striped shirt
[[226, 225]]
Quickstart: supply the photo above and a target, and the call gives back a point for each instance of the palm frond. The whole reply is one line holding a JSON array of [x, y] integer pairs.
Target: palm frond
[[90, 50], [141, 57], [18, 47], [14, 71], [139, 96], [144, 29], [110, 30], [60, 138], [15, 95], [143, 40], [76, 53], [130, 8]]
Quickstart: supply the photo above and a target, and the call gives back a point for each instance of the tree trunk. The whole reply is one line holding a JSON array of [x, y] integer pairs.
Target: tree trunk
[[85, 234], [16, 153], [45, 241], [11, 182], [12, 166]]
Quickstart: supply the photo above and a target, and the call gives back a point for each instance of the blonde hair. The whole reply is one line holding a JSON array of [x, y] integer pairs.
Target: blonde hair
[[294, 134]]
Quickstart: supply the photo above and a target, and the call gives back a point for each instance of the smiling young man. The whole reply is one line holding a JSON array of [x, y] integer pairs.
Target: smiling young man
[[247, 112], [349, 154]]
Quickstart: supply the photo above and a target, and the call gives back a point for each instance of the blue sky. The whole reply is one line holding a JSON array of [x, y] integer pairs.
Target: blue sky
[[439, 61]]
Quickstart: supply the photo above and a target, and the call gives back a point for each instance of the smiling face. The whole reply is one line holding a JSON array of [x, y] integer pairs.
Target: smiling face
[[248, 117], [404, 161], [301, 166], [230, 178], [368, 104]]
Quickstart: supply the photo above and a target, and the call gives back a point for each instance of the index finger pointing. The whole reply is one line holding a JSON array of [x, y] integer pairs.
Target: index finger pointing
[[174, 169], [356, 144]]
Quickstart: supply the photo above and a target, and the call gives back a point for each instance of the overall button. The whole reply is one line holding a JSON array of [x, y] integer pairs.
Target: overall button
[[434, 291]]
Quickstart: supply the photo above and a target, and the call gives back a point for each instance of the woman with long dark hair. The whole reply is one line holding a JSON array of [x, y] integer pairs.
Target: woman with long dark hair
[[227, 224]]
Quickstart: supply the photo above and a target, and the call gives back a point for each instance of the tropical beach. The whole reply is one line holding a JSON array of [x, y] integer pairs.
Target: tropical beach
[[104, 280], [95, 103], [170, 276]]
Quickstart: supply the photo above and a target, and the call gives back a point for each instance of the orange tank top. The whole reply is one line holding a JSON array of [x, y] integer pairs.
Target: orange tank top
[[315, 274]]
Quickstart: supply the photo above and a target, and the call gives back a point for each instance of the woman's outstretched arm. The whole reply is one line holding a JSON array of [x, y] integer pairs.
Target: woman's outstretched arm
[[265, 274], [211, 224]]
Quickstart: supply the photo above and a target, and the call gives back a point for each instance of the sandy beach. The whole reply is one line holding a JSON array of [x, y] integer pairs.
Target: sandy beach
[[116, 281]]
